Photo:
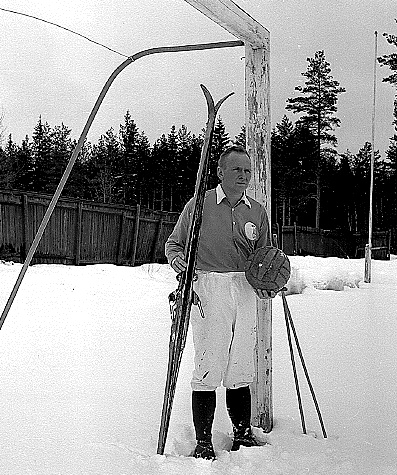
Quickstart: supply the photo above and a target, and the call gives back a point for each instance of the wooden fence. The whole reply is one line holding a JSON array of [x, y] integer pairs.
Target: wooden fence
[[300, 240], [82, 232]]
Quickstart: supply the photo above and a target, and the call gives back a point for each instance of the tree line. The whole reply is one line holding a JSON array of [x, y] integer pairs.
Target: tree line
[[312, 184]]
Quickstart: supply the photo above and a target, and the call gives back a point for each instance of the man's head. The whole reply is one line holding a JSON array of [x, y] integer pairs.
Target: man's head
[[234, 170]]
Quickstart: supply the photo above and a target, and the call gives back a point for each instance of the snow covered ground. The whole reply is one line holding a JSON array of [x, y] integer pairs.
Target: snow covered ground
[[83, 356]]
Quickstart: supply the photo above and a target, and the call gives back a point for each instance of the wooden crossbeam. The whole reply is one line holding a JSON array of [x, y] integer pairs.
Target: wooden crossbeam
[[235, 20]]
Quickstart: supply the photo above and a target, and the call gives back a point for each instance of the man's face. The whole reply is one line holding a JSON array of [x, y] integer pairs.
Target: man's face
[[236, 174]]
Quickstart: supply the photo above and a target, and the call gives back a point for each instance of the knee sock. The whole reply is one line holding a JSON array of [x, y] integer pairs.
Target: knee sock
[[238, 403], [203, 408]]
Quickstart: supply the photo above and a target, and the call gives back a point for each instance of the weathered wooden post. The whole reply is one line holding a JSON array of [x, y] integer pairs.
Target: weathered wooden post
[[257, 117], [258, 130]]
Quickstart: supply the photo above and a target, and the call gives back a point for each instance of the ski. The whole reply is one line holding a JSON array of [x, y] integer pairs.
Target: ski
[[183, 296]]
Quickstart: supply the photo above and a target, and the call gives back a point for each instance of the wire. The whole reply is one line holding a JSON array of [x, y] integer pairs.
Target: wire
[[64, 28]]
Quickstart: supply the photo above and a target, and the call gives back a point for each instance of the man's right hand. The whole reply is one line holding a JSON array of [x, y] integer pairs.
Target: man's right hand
[[178, 264]]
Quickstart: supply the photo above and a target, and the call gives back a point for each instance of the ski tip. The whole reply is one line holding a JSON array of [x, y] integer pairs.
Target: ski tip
[[208, 97], [210, 100]]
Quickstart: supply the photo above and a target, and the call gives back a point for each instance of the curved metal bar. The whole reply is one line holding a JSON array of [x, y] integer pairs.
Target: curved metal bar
[[79, 145]]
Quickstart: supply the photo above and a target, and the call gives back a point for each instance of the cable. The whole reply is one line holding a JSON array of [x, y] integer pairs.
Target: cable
[[64, 28]]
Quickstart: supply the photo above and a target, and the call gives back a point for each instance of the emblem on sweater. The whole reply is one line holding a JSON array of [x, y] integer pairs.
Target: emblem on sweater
[[250, 231]]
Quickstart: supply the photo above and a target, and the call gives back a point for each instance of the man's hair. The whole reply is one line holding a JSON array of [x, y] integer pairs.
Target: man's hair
[[224, 155]]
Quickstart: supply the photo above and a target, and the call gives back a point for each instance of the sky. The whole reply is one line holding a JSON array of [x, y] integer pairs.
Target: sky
[[49, 72]]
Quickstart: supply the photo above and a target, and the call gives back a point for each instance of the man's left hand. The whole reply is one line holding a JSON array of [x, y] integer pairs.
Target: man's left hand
[[265, 294]]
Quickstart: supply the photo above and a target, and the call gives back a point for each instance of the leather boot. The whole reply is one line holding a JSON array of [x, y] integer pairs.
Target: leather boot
[[238, 403], [203, 409]]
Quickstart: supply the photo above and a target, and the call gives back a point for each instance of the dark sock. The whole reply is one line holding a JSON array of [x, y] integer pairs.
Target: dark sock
[[203, 409], [238, 403]]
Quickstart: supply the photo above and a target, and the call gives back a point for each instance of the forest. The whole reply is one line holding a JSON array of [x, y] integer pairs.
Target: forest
[[312, 184]]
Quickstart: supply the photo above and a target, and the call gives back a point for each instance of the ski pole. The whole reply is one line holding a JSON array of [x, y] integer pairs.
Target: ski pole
[[290, 323], [291, 350]]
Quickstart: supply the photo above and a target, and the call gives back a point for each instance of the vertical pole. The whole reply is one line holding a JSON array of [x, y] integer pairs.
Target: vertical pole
[[258, 130], [368, 249]]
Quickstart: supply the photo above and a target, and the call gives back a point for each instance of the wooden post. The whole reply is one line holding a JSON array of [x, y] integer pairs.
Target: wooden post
[[258, 128], [258, 131]]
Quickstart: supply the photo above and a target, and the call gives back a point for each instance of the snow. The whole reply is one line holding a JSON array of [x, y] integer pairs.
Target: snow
[[83, 356]]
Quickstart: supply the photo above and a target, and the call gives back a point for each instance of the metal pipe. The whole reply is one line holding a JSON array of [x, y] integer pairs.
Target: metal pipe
[[76, 151], [368, 248]]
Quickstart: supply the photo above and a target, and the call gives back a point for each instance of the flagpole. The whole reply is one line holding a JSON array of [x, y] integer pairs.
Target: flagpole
[[368, 247]]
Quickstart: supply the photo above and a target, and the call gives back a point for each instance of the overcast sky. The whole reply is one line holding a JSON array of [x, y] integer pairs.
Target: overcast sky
[[49, 72]]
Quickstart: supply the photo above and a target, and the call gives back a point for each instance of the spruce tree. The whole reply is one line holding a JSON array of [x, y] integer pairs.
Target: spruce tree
[[220, 141], [317, 104], [41, 158], [160, 155], [105, 163], [241, 138], [292, 147], [127, 182], [189, 152]]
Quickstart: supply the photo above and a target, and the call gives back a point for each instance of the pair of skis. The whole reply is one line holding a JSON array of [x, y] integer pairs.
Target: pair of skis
[[183, 296]]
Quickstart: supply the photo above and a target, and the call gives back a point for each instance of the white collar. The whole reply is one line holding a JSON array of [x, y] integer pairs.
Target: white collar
[[220, 195]]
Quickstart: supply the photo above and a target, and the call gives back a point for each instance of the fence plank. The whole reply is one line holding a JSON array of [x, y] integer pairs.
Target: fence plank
[[25, 227], [79, 216], [121, 236], [136, 233], [157, 239]]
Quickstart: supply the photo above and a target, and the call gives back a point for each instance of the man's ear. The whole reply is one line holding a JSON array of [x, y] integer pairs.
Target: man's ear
[[219, 173]]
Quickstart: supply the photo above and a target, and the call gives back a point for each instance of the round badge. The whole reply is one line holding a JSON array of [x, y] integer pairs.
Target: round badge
[[250, 231]]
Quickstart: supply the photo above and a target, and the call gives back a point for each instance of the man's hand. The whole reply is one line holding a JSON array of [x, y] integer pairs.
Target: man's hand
[[178, 263], [265, 294]]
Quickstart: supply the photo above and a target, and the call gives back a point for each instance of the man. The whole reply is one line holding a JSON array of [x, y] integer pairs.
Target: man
[[233, 226]]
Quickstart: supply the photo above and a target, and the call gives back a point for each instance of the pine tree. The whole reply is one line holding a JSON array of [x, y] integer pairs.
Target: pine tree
[[79, 183], [8, 166], [282, 165], [160, 154], [144, 169], [220, 141], [105, 167], [61, 150], [241, 138], [128, 180], [189, 152], [317, 103], [345, 205], [292, 148], [390, 60], [172, 167], [41, 157], [361, 166]]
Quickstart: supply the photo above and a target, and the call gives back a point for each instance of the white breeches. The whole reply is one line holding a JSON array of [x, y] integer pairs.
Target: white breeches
[[224, 339]]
